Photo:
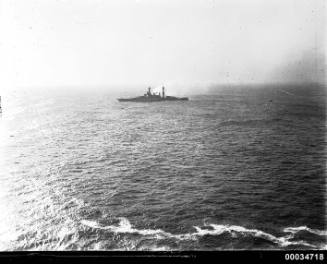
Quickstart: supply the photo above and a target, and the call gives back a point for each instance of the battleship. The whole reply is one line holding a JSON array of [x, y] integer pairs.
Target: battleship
[[153, 97]]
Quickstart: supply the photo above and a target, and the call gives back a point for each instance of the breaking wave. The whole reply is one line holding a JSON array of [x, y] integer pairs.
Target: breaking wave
[[125, 227], [295, 230]]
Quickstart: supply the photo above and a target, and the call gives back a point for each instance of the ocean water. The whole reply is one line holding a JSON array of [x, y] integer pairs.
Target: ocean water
[[239, 168]]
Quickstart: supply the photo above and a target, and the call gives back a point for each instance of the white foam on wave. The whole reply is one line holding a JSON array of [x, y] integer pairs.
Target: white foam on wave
[[235, 230], [92, 224], [124, 226], [295, 230]]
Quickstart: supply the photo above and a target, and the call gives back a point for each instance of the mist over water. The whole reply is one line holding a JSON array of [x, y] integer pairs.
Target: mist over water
[[241, 168], [84, 43]]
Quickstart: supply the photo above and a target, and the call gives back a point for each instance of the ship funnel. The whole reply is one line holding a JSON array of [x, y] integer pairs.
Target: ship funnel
[[163, 92]]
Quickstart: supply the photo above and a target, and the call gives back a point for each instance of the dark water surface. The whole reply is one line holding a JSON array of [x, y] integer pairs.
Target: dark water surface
[[240, 169]]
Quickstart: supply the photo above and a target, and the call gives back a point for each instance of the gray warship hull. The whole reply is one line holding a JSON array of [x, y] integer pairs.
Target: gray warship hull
[[144, 99], [152, 97]]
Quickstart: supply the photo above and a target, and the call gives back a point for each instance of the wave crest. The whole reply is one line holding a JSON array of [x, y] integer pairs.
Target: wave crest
[[125, 227], [295, 230]]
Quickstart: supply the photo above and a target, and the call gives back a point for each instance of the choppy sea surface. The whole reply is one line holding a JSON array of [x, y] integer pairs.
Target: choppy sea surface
[[241, 168]]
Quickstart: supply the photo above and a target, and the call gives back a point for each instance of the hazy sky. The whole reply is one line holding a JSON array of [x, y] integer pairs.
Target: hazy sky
[[149, 42]]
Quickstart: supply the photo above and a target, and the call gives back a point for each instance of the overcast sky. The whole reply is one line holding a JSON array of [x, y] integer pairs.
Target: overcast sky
[[149, 42]]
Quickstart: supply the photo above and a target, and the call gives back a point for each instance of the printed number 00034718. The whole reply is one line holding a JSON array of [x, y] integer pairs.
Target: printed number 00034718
[[306, 256]]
